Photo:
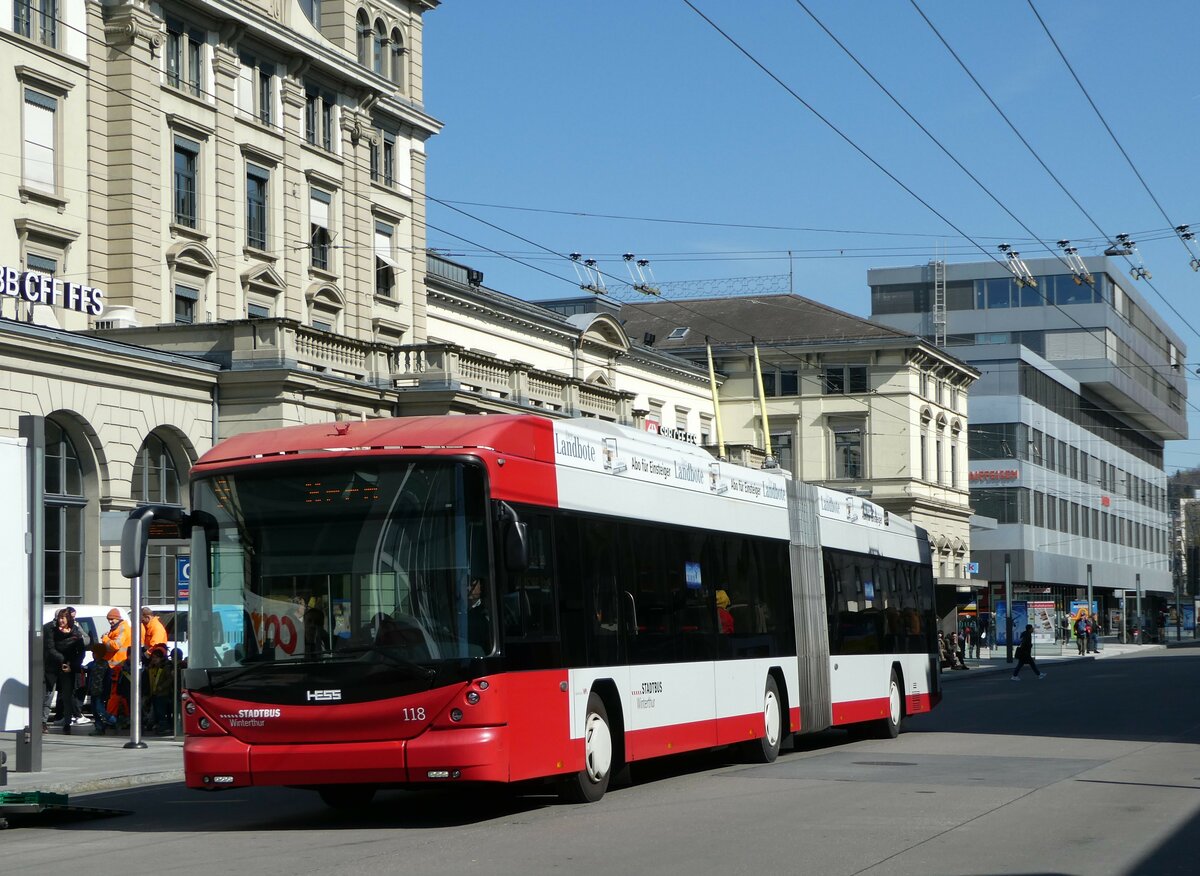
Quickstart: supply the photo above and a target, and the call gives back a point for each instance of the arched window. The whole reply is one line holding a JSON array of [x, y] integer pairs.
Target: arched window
[[312, 11], [325, 308], [378, 42], [363, 29], [399, 57], [156, 480], [64, 504]]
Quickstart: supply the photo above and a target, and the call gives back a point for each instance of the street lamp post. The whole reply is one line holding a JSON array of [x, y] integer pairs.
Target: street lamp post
[[1089, 599], [1140, 626], [1008, 622]]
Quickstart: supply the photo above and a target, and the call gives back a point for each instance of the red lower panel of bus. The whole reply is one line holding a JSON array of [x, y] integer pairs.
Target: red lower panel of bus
[[856, 711], [471, 754], [860, 710]]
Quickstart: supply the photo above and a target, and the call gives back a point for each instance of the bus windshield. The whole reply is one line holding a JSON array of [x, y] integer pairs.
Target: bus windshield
[[304, 563]]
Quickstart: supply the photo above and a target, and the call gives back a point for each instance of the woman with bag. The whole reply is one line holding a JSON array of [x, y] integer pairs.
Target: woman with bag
[[67, 649]]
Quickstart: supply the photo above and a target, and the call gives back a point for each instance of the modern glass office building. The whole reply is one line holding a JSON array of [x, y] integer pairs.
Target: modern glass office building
[[1082, 384]]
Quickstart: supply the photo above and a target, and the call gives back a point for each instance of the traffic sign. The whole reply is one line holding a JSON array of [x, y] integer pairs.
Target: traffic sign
[[183, 576]]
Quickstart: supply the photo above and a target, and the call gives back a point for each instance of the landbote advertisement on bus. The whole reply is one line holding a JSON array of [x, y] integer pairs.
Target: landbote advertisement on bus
[[656, 461]]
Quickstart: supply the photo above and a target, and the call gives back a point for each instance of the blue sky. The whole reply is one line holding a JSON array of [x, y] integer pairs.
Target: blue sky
[[560, 114]]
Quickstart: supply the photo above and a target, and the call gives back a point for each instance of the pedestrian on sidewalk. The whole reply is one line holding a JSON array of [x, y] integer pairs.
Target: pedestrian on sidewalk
[[1081, 633], [1025, 654], [981, 638], [113, 649], [1094, 635], [955, 652], [67, 649]]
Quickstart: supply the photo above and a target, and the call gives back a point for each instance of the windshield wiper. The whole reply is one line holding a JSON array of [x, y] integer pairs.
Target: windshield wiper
[[390, 655], [253, 668]]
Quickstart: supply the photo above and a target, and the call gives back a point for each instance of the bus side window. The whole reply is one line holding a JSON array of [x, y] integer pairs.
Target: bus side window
[[528, 609]]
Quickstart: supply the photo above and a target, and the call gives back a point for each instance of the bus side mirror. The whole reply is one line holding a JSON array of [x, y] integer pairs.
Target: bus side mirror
[[159, 522], [515, 535]]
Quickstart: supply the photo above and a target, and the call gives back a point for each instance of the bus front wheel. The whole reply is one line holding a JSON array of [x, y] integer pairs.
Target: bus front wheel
[[589, 784], [766, 749]]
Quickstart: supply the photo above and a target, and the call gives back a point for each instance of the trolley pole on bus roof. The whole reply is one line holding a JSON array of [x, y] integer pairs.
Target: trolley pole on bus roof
[[1008, 623]]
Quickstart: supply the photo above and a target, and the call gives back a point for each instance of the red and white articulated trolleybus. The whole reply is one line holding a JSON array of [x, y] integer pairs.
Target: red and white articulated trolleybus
[[499, 599]]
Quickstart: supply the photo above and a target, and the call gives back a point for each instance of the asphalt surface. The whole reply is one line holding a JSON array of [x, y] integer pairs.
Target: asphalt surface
[[83, 764]]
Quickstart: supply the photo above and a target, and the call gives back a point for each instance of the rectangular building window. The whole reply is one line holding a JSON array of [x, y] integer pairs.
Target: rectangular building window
[[266, 93], [187, 154], [183, 56], [842, 379], [847, 451], [185, 304], [389, 158], [385, 261], [39, 164], [258, 311], [319, 237], [256, 89], [318, 118], [781, 446], [41, 264], [258, 181], [37, 19], [1039, 513]]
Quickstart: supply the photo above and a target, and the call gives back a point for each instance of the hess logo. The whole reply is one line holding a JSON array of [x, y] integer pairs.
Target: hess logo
[[323, 696]]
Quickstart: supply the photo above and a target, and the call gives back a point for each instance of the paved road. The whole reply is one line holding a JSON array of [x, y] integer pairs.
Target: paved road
[[1094, 770]]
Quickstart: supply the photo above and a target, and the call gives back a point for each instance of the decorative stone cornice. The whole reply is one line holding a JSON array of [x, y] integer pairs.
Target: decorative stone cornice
[[133, 26]]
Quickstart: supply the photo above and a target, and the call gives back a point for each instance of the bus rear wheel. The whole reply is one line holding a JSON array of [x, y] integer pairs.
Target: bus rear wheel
[[347, 796], [889, 727], [766, 749], [589, 784]]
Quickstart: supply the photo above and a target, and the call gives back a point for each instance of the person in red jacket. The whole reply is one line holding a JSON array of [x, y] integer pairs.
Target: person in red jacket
[[723, 614]]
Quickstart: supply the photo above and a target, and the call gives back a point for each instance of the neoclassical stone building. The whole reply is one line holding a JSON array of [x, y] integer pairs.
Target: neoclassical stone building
[[213, 220], [850, 404]]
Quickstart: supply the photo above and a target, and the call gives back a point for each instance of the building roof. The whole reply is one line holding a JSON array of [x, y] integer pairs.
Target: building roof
[[735, 320]]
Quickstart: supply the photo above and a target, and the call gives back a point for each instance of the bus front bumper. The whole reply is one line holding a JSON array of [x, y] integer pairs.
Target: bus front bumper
[[466, 754]]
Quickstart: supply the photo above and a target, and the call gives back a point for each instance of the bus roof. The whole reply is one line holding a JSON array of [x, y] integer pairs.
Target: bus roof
[[519, 434]]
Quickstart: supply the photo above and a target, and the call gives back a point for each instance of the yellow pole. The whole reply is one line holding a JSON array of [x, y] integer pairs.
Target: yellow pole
[[762, 402], [712, 383]]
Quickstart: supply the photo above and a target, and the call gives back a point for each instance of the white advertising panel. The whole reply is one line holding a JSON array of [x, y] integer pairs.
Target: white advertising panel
[[14, 588]]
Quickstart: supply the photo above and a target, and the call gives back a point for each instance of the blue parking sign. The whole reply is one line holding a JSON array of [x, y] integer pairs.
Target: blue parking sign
[[183, 576]]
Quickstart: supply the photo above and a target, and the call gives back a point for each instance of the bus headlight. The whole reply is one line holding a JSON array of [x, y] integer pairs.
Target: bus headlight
[[456, 714], [472, 697]]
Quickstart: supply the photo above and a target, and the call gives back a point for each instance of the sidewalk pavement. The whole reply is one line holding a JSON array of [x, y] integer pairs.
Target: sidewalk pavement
[[83, 764], [995, 659]]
